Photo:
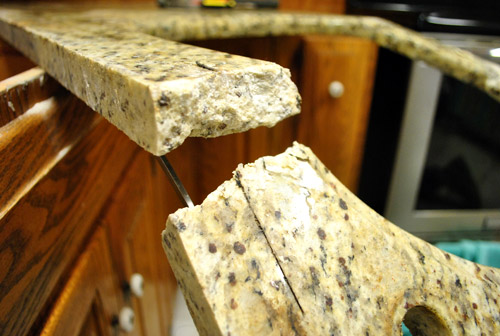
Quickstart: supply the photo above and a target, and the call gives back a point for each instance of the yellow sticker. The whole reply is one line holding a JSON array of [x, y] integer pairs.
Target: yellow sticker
[[218, 3]]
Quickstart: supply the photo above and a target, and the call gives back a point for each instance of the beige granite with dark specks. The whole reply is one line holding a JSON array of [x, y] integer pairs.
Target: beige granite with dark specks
[[284, 248], [156, 91], [121, 63]]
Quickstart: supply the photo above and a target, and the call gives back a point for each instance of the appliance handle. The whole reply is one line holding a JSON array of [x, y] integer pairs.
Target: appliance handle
[[436, 21]]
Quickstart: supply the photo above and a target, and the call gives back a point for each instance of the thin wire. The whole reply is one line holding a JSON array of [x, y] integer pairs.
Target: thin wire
[[175, 181]]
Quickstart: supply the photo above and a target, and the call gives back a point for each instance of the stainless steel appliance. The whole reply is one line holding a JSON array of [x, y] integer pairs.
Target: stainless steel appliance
[[432, 156], [446, 178]]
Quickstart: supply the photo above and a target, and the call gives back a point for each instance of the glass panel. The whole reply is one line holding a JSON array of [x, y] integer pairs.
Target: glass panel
[[462, 169]]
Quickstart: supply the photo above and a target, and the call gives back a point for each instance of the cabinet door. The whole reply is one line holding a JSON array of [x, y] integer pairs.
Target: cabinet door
[[335, 128], [57, 169], [12, 61], [88, 303], [135, 218]]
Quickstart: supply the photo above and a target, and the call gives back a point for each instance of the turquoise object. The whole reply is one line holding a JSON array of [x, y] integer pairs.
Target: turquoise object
[[482, 252]]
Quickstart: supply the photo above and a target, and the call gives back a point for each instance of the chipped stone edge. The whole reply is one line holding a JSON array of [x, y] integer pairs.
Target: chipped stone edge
[[224, 109], [155, 126]]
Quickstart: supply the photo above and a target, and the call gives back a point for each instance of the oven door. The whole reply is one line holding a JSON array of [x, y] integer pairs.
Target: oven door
[[446, 179]]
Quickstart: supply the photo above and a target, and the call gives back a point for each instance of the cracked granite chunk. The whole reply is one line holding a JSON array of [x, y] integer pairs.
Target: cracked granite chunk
[[226, 269], [328, 264], [123, 63]]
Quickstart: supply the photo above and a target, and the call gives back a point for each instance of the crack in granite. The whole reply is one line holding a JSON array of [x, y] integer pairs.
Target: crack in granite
[[237, 177], [255, 289]]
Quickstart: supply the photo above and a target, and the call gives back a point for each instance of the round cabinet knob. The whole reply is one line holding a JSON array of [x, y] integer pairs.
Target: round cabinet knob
[[336, 89], [126, 319], [137, 284]]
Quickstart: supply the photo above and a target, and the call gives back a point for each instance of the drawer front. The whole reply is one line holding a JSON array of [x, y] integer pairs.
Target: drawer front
[[88, 303], [58, 166], [135, 218]]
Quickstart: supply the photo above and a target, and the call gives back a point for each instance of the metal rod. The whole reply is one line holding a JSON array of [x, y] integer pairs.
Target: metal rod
[[175, 181]]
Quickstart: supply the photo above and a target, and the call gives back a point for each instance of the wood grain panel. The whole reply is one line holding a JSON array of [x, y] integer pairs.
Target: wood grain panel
[[141, 240], [91, 326], [164, 202], [186, 163], [42, 234], [215, 160], [135, 218], [129, 242], [34, 142], [325, 6], [89, 299], [287, 52], [20, 92], [335, 128], [12, 62]]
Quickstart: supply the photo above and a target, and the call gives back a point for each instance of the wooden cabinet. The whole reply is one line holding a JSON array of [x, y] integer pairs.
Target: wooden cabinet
[[88, 303], [123, 245], [334, 128], [12, 62], [81, 209], [134, 218], [326, 6]]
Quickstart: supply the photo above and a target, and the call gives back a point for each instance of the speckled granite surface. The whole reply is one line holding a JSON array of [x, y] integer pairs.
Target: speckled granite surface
[[157, 91], [285, 249], [120, 62]]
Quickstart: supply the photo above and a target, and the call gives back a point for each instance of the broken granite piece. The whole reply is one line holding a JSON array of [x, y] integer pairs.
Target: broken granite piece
[[159, 92], [284, 248], [226, 269]]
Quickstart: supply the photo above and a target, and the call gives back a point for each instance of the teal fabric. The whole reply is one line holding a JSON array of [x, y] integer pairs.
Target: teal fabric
[[482, 252]]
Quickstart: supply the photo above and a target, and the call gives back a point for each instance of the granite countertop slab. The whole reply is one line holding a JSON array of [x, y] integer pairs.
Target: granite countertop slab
[[125, 64], [284, 248]]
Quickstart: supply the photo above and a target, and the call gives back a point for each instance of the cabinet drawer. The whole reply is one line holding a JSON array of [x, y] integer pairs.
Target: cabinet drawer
[[88, 303], [135, 218], [58, 167]]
